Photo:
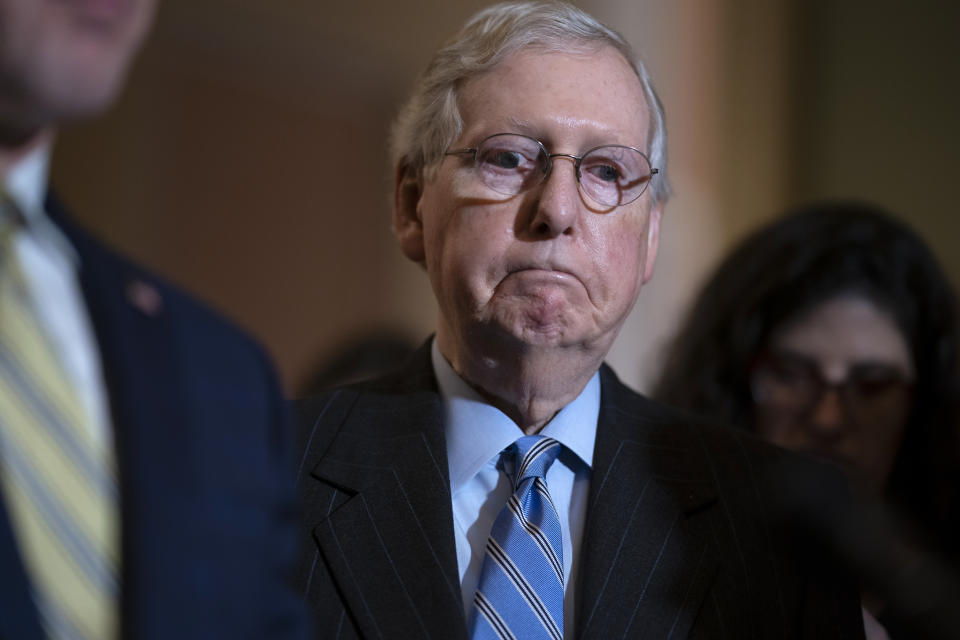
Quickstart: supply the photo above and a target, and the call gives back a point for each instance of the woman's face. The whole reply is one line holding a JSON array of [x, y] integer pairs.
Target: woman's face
[[836, 381]]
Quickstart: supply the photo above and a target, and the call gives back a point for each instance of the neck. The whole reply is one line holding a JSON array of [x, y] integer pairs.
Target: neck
[[529, 384], [14, 146]]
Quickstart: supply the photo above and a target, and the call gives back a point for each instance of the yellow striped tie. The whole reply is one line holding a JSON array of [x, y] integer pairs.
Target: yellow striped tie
[[59, 484]]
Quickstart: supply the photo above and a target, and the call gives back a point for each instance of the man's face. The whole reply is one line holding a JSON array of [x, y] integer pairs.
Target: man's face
[[547, 267], [62, 59]]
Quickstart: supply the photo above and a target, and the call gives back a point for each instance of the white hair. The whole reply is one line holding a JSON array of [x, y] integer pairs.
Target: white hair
[[430, 120]]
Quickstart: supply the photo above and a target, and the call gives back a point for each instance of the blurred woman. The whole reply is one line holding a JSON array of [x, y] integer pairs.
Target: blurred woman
[[834, 331]]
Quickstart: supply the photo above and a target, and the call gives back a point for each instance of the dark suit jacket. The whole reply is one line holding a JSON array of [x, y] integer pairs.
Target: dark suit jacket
[[681, 540], [208, 505]]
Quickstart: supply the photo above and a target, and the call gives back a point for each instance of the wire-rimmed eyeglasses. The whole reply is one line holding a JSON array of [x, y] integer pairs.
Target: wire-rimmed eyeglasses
[[610, 175]]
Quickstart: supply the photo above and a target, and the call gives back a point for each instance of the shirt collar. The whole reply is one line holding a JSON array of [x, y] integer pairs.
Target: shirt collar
[[476, 431], [26, 182]]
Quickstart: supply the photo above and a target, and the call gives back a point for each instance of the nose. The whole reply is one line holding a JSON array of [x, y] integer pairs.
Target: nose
[[828, 417], [558, 204]]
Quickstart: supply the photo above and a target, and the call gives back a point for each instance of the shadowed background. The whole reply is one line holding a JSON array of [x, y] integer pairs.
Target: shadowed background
[[247, 158]]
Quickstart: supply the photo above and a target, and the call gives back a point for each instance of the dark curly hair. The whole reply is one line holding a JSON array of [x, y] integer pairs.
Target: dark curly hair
[[807, 257]]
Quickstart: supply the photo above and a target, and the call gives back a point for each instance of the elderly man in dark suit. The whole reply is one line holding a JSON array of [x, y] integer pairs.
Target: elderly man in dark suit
[[146, 485], [506, 484]]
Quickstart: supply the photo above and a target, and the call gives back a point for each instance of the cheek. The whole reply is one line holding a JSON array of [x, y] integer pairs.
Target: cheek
[[464, 249], [886, 441], [776, 429], [780, 427], [621, 255]]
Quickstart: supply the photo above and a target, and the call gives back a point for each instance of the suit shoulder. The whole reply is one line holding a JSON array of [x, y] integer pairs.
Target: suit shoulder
[[106, 272], [636, 406], [318, 420], [410, 391], [731, 454]]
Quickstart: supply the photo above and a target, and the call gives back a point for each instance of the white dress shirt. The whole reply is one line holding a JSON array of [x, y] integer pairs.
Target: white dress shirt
[[50, 266], [476, 434]]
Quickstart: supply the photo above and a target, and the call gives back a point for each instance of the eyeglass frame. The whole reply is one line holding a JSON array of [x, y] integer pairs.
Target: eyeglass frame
[[844, 390], [577, 160]]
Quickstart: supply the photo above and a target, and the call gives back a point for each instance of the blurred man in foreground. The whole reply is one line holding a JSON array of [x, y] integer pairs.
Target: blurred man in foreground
[[143, 457], [506, 484]]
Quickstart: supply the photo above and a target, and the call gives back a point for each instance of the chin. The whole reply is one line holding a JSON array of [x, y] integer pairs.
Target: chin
[[534, 329], [77, 71], [558, 338], [88, 93]]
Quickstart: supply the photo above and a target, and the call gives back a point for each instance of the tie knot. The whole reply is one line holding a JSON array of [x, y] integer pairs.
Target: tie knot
[[533, 455]]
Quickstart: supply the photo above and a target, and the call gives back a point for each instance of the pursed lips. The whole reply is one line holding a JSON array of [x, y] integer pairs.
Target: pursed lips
[[545, 271], [541, 275]]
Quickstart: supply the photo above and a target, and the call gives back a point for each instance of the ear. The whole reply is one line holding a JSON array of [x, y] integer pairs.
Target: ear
[[653, 240], [407, 224]]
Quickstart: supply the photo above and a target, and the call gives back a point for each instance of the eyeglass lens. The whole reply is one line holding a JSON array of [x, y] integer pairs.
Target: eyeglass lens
[[610, 175], [870, 393]]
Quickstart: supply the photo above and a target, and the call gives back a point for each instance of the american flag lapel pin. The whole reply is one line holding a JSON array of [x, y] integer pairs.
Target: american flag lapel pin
[[145, 297]]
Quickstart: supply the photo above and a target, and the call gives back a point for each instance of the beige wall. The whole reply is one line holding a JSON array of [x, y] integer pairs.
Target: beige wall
[[878, 83], [718, 70], [247, 159]]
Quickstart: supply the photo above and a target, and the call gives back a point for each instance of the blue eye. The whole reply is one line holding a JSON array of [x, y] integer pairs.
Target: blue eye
[[503, 159], [605, 173]]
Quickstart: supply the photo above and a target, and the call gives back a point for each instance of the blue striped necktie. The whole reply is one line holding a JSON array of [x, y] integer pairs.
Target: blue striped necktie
[[520, 593]]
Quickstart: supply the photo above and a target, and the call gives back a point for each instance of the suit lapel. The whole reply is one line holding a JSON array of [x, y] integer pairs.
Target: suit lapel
[[388, 536], [20, 619], [647, 551]]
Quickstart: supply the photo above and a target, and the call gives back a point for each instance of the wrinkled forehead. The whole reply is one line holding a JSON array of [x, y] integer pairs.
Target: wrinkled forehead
[[589, 90]]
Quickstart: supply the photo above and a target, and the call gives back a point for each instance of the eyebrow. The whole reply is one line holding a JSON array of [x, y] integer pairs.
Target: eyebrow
[[524, 127], [803, 359], [529, 129]]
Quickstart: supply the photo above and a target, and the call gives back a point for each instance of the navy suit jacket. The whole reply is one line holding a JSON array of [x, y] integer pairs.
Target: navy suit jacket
[[682, 538], [208, 507]]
